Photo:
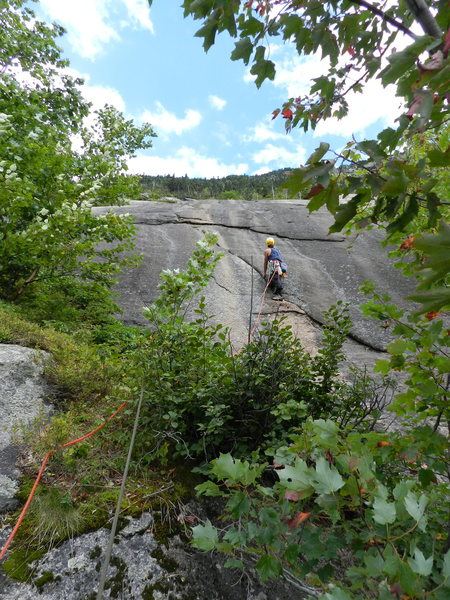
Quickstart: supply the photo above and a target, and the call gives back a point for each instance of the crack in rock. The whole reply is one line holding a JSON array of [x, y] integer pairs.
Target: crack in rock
[[222, 286], [194, 221]]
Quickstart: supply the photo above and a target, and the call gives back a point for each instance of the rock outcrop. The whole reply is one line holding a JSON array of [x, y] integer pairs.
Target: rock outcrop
[[322, 268], [22, 399]]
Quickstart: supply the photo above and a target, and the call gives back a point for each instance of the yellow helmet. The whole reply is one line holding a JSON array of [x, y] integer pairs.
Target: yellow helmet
[[270, 241]]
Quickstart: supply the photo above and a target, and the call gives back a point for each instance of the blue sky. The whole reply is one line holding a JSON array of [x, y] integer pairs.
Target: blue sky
[[210, 118]]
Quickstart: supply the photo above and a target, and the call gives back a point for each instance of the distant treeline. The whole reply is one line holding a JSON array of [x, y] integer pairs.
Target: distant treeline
[[247, 187]]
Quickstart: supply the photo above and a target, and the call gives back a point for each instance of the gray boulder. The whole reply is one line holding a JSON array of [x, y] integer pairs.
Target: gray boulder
[[22, 399]]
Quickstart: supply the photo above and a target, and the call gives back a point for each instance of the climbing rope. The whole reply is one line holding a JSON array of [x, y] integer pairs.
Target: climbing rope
[[41, 472], [107, 558]]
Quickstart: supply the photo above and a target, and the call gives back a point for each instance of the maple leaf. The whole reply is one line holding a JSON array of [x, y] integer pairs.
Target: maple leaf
[[407, 243], [299, 518], [316, 189], [432, 315], [350, 49]]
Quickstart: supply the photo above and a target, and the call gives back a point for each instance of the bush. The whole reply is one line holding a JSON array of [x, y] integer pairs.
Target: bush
[[346, 509], [201, 399]]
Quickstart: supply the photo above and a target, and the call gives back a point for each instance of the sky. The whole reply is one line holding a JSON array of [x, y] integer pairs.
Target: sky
[[209, 116]]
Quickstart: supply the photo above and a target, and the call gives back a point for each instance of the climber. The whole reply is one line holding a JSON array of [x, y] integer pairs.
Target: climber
[[273, 262]]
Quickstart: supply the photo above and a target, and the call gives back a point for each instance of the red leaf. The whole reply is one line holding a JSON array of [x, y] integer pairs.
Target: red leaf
[[350, 50], [446, 47], [287, 113], [275, 113], [432, 315], [407, 243], [289, 495], [316, 189], [299, 518]]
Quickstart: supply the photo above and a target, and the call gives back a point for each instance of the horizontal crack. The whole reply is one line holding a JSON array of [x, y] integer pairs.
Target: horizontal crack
[[193, 221]]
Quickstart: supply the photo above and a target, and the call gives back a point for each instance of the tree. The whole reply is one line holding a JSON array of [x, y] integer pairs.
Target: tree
[[357, 38], [54, 167]]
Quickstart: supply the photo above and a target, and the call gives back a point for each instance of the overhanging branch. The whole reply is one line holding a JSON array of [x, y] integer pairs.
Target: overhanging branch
[[376, 11]]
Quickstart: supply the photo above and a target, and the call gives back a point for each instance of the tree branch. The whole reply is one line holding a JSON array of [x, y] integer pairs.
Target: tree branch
[[376, 11], [422, 14]]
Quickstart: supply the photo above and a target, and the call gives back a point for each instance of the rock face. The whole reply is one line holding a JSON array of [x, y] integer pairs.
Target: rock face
[[140, 568], [22, 393], [322, 268]]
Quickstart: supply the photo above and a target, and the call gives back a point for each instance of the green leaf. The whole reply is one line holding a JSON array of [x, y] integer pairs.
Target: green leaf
[[297, 478], [262, 68], [234, 563], [384, 512], [346, 212], [238, 505], [208, 32], [399, 346], [421, 565], [235, 470], [432, 300], [415, 507], [374, 563], [400, 62], [243, 50], [268, 567], [328, 480], [205, 537], [437, 158], [325, 433], [208, 488], [336, 594], [446, 565], [318, 153]]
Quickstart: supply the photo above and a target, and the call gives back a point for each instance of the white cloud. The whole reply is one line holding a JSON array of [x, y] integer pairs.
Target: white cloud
[[216, 102], [284, 157], [166, 122], [294, 74], [262, 132], [376, 102], [98, 95], [91, 24], [262, 170], [139, 13], [185, 161]]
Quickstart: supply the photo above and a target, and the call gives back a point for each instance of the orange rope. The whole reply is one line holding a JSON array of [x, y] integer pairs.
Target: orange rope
[[41, 471]]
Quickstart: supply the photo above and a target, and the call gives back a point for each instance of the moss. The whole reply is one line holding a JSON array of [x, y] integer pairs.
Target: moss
[[160, 586], [95, 553], [115, 583], [18, 564], [168, 564], [46, 577]]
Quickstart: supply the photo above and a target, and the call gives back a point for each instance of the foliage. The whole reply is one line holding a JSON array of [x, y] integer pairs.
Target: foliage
[[345, 507], [47, 227], [77, 370], [357, 41], [368, 512], [421, 350], [246, 187]]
